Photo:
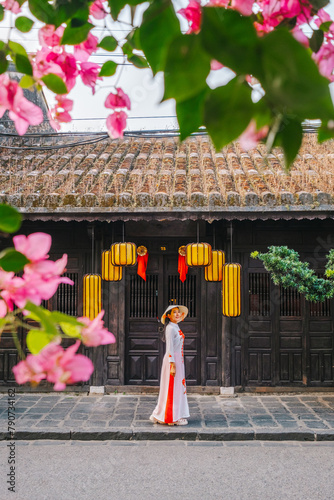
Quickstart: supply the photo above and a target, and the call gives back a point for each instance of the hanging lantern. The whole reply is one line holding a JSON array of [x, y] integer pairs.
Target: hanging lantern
[[198, 254], [91, 295], [110, 272], [123, 254], [231, 290], [142, 259], [182, 267], [214, 272]]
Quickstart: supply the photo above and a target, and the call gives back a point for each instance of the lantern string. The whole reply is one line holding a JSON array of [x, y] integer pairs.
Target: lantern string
[[93, 244], [214, 237], [197, 232]]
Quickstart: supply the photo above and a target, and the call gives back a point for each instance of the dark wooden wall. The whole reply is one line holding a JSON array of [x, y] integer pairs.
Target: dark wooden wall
[[278, 340]]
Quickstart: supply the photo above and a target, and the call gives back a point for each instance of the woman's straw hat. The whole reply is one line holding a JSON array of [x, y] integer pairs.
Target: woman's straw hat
[[183, 309]]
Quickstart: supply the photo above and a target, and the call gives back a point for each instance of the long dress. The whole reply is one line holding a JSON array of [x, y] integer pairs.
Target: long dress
[[172, 402]]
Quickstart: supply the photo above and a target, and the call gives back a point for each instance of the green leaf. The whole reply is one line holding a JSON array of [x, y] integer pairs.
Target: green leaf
[[76, 32], [27, 82], [42, 10], [17, 48], [160, 25], [326, 132], [293, 84], [69, 324], [319, 4], [70, 330], [316, 40], [108, 43], [138, 61], [117, 5], [2, 13], [55, 83], [10, 219], [231, 39], [23, 24], [190, 114], [228, 111], [44, 317], [3, 62], [108, 69], [290, 138], [37, 339], [23, 65], [60, 317], [186, 69], [12, 260], [325, 26]]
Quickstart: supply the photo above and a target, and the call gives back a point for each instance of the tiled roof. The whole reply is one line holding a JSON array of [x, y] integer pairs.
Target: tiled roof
[[151, 175]]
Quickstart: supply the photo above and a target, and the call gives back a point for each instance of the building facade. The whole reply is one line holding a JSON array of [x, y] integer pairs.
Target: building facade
[[161, 194]]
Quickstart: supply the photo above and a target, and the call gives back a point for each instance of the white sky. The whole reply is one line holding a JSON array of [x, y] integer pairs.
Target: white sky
[[145, 92]]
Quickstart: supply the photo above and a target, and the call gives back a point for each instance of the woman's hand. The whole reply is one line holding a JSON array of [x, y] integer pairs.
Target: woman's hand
[[172, 369]]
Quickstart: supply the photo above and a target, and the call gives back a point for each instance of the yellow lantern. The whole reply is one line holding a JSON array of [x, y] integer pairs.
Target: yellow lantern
[[214, 272], [198, 254], [110, 272], [123, 254], [91, 295], [232, 290]]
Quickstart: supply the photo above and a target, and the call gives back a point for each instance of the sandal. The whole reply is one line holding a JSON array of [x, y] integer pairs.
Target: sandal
[[181, 421]]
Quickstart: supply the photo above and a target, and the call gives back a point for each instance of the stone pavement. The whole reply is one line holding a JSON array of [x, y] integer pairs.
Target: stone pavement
[[63, 416]]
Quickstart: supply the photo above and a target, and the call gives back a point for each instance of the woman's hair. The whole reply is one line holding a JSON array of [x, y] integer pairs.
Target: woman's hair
[[162, 329]]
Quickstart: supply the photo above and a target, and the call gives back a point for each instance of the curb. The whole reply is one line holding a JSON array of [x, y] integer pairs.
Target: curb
[[145, 435]]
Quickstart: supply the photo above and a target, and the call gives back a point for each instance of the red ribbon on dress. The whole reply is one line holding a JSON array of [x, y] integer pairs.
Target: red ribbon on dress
[[182, 268], [142, 265]]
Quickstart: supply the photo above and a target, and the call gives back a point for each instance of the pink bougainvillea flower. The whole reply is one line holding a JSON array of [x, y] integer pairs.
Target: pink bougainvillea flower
[[29, 370], [89, 74], [97, 10], [60, 112], [300, 36], [11, 5], [3, 308], [218, 3], [245, 7], [193, 14], [215, 65], [35, 246], [275, 11], [44, 277], [119, 100], [68, 65], [64, 366], [250, 138], [116, 124], [42, 67], [49, 36], [86, 48], [21, 111], [325, 60], [94, 333]]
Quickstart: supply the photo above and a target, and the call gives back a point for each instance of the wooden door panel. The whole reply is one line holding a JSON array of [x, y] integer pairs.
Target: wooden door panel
[[145, 303], [152, 368]]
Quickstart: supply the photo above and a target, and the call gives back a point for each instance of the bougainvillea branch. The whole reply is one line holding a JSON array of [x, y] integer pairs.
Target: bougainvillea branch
[[287, 270], [250, 38]]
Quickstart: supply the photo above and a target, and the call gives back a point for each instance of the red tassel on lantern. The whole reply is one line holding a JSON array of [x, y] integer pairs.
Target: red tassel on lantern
[[142, 258], [182, 266]]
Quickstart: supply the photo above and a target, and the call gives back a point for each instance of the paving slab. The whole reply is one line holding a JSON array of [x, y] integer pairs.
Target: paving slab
[[64, 416]]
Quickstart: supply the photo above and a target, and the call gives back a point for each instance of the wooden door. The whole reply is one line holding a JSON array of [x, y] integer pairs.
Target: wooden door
[[145, 303], [288, 341]]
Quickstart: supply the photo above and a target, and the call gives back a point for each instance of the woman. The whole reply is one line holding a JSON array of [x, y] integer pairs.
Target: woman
[[172, 407]]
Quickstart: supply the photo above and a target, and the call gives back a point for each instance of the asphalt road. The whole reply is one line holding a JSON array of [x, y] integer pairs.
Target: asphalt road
[[169, 470]]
